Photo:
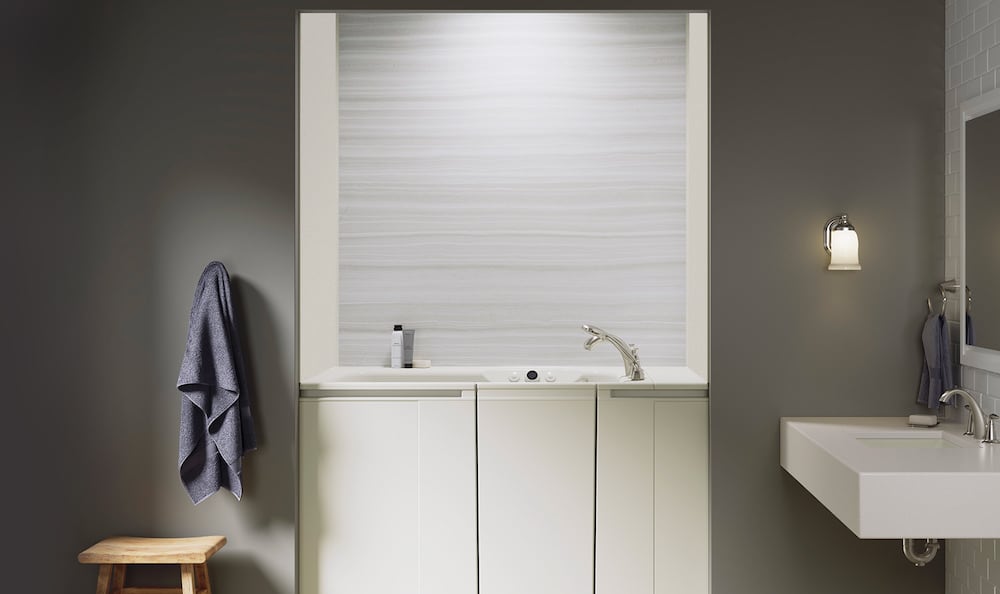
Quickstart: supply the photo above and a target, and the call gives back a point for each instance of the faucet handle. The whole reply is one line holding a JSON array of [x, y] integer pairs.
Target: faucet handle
[[991, 435], [634, 369], [971, 429]]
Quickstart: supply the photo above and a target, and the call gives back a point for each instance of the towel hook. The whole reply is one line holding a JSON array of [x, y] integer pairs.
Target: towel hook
[[947, 287]]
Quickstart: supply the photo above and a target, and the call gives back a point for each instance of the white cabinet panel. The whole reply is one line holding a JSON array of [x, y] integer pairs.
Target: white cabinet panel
[[652, 496], [625, 431], [388, 494], [447, 497], [387, 498], [681, 497], [536, 491]]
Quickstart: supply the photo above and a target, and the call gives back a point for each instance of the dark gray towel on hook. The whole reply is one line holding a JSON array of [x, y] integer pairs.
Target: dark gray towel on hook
[[216, 427], [929, 340], [936, 375], [944, 357]]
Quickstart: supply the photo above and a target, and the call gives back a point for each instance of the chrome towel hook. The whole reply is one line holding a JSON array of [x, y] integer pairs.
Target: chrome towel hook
[[947, 287]]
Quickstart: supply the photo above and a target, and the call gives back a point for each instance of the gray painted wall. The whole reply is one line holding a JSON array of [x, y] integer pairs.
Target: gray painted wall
[[817, 111], [149, 138]]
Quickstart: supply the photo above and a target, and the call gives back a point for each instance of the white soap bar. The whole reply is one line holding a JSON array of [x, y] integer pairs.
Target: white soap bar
[[421, 363], [923, 420]]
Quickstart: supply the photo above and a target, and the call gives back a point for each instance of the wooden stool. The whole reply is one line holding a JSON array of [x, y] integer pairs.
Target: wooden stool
[[115, 553]]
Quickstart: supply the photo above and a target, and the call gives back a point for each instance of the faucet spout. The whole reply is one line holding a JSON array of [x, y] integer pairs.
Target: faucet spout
[[629, 352], [978, 418]]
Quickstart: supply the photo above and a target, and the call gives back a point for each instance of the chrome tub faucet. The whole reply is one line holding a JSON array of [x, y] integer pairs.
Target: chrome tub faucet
[[629, 352]]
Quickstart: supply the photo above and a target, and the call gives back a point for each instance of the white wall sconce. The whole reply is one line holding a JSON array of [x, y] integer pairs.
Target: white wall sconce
[[841, 241]]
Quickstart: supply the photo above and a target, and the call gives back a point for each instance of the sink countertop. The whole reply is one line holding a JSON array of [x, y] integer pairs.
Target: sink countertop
[[895, 492]]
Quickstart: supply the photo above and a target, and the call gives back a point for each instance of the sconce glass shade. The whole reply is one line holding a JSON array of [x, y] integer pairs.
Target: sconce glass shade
[[841, 241]]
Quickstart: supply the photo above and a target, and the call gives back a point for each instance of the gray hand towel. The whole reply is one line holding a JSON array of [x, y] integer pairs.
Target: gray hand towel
[[216, 425], [944, 358], [929, 340], [936, 373]]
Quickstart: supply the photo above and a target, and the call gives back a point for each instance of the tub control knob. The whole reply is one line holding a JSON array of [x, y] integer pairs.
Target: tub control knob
[[514, 376], [549, 376]]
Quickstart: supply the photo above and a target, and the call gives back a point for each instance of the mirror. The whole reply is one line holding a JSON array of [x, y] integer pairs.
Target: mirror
[[980, 223]]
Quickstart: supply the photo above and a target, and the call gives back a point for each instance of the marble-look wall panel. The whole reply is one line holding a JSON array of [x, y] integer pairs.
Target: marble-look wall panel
[[506, 177]]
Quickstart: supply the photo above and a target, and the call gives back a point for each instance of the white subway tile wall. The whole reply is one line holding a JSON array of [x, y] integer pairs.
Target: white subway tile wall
[[505, 182], [972, 567], [972, 60]]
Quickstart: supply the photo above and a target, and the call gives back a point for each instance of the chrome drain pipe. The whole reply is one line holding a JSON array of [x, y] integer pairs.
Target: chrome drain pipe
[[920, 559]]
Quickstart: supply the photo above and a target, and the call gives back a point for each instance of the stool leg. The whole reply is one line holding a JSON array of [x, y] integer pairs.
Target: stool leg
[[201, 572], [103, 579], [187, 579], [117, 579]]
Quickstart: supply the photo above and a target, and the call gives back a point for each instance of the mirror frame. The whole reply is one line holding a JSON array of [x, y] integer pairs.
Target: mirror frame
[[973, 356]]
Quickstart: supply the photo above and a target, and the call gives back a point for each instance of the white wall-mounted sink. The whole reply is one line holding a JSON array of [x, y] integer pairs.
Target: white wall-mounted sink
[[884, 479]]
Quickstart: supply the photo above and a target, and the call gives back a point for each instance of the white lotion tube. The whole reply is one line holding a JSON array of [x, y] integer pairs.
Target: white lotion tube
[[396, 347]]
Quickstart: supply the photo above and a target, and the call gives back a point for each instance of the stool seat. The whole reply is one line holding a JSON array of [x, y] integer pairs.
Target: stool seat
[[126, 550], [115, 554]]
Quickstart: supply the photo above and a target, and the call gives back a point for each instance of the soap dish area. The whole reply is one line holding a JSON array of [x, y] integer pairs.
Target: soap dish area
[[923, 421]]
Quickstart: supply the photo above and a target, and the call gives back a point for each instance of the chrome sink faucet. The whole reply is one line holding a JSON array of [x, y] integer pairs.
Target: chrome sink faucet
[[629, 352], [978, 418]]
